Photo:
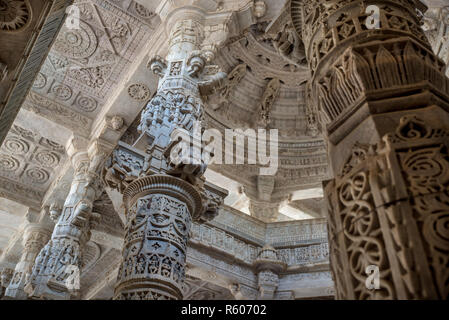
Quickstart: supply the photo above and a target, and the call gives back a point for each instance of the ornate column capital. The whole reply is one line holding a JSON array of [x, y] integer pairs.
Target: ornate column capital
[[76, 144], [329, 27]]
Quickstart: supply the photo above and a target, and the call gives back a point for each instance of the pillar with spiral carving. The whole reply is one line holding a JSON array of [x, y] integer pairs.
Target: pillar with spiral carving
[[383, 101], [161, 175]]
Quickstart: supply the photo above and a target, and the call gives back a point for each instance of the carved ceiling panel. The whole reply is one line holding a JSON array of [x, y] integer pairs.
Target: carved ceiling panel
[[29, 161], [255, 64]]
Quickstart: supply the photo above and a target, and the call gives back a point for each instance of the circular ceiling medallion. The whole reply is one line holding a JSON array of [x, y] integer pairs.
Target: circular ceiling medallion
[[37, 175], [16, 146]]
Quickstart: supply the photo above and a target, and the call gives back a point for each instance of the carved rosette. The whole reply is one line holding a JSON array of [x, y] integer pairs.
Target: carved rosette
[[389, 208], [159, 212]]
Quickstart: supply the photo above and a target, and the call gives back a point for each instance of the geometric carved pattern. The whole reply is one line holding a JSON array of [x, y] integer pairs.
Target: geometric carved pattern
[[139, 91], [28, 158], [85, 64]]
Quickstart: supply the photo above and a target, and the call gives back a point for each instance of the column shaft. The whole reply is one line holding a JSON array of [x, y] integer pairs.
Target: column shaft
[[382, 99], [159, 217]]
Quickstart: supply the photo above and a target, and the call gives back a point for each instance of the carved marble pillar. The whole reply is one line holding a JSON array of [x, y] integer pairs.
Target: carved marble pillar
[[3, 71], [35, 236], [268, 267], [163, 188], [5, 279], [382, 99], [55, 274]]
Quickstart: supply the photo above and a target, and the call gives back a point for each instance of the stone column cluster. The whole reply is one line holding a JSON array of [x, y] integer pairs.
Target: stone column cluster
[[161, 180], [383, 100]]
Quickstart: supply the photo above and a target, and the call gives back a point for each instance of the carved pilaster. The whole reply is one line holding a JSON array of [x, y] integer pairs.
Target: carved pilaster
[[389, 208]]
